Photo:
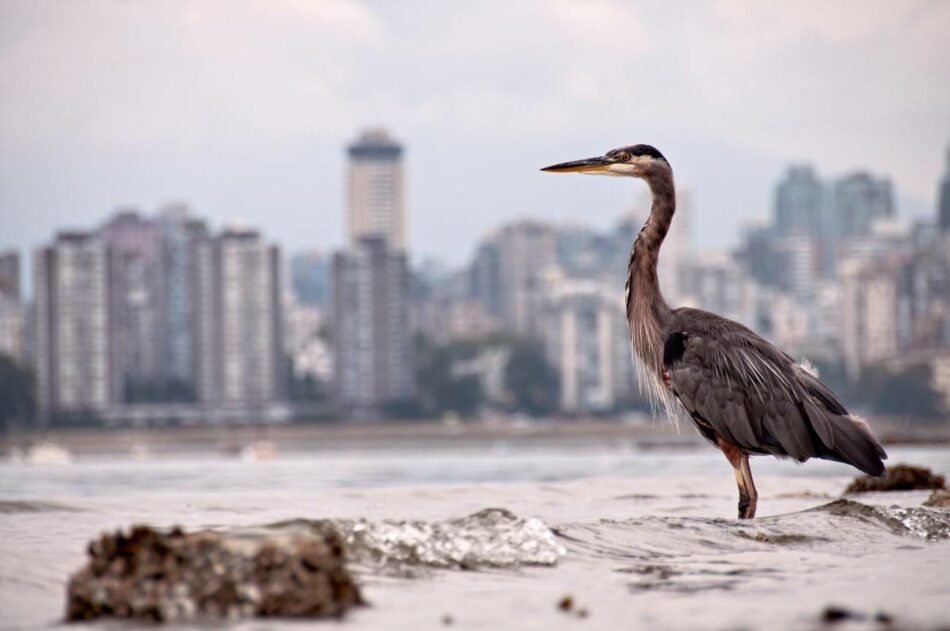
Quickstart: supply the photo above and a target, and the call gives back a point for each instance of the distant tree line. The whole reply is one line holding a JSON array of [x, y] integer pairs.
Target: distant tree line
[[888, 391], [530, 385], [448, 385]]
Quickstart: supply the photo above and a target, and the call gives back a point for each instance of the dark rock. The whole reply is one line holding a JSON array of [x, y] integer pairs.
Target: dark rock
[[147, 574], [884, 618], [939, 498], [833, 614], [900, 477]]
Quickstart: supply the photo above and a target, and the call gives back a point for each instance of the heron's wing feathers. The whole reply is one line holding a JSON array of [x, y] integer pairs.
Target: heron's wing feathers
[[755, 396]]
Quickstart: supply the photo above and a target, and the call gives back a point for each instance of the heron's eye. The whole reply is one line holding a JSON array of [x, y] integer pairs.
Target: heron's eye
[[625, 157]]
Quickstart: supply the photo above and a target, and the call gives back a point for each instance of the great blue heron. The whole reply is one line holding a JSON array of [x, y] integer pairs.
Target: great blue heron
[[744, 395]]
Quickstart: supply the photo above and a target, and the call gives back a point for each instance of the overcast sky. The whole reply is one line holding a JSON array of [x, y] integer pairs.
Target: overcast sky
[[242, 109]]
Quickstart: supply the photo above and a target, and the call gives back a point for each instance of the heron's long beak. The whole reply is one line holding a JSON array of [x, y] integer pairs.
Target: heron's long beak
[[579, 166]]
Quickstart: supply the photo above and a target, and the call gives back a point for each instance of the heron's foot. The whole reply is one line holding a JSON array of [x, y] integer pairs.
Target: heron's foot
[[747, 507]]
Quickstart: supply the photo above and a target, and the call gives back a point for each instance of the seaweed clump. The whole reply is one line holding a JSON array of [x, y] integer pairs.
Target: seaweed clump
[[900, 477], [174, 576]]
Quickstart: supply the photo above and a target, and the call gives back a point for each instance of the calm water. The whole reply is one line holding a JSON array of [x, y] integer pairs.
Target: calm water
[[122, 476], [647, 535]]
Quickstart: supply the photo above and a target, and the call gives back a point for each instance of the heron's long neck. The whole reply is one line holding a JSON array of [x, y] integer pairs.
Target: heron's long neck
[[647, 312]]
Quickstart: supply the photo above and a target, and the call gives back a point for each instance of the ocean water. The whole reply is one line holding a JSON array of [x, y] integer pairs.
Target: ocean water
[[497, 537]]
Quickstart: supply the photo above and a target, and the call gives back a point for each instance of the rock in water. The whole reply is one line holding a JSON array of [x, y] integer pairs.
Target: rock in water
[[160, 576], [939, 498], [900, 477]]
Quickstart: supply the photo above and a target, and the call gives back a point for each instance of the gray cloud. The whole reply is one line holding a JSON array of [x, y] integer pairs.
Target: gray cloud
[[242, 108]]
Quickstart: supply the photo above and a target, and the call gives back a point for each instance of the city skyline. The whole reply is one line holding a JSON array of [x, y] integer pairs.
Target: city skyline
[[82, 136], [161, 315]]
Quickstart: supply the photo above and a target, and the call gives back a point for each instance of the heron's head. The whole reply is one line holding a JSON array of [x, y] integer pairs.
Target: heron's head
[[634, 161]]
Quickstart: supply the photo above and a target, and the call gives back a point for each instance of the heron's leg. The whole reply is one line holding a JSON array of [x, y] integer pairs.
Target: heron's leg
[[749, 486], [735, 457]]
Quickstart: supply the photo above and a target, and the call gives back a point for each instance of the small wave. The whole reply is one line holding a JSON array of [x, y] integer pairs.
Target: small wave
[[490, 538], [781, 538], [842, 524], [31, 506], [925, 523]]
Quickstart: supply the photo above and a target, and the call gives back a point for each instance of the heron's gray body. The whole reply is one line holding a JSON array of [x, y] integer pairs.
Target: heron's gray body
[[738, 387], [744, 395]]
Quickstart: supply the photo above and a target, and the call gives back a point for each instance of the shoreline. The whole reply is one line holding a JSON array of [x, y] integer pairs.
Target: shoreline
[[641, 432]]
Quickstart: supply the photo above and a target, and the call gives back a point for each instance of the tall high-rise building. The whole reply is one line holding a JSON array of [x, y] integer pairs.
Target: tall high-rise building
[[371, 338], [527, 251], [72, 354], [585, 335], [869, 318], [376, 190], [12, 311], [485, 277], [924, 301], [758, 254], [860, 200], [799, 203], [582, 251], [943, 198], [10, 274], [804, 209], [239, 339], [181, 236], [135, 295], [798, 266]]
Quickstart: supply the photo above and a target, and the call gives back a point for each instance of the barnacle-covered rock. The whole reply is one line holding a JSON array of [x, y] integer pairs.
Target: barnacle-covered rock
[[160, 576]]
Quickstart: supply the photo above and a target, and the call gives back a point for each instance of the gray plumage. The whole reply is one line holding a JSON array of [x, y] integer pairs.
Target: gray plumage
[[743, 394], [737, 385]]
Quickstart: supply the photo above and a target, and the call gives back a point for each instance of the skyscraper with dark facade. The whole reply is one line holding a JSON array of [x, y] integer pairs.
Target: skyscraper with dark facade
[[799, 203], [182, 235], [12, 309], [860, 199], [371, 338], [136, 333], [943, 198], [10, 274]]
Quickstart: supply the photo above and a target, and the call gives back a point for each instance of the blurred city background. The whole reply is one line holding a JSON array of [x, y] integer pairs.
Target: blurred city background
[[445, 278]]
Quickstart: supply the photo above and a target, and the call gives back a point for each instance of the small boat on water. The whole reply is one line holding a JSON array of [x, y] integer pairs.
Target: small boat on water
[[258, 450], [47, 453]]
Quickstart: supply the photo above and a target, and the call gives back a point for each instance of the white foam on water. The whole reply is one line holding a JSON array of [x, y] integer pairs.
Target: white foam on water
[[490, 538]]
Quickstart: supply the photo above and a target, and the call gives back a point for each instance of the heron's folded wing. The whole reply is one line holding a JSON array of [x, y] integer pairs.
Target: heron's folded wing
[[742, 387]]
